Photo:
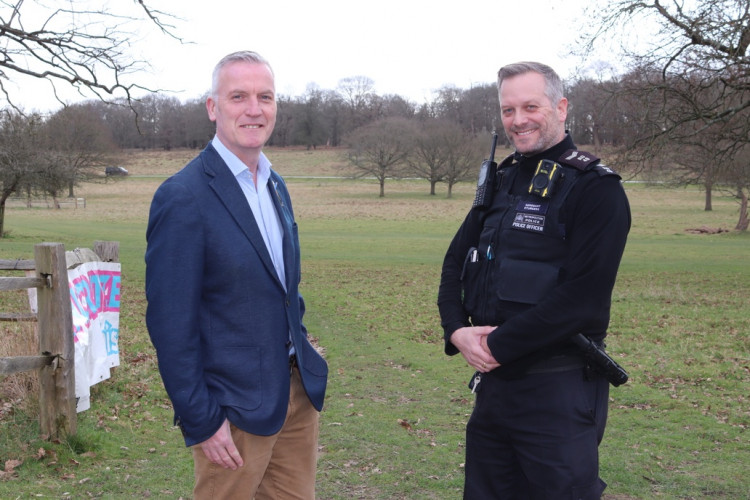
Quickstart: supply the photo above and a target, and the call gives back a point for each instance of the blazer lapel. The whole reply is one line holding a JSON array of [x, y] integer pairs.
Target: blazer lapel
[[230, 194], [283, 209]]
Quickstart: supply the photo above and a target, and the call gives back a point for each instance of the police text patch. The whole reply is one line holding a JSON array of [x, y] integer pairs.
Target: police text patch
[[529, 222], [530, 215], [532, 207]]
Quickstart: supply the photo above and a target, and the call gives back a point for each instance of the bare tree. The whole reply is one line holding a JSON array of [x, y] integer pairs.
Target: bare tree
[[71, 45], [333, 116], [200, 130], [428, 159], [465, 159], [444, 152], [741, 169], [309, 126], [593, 116], [19, 155], [482, 109], [381, 149], [358, 94], [395, 105], [171, 129], [476, 110], [695, 78], [78, 147]]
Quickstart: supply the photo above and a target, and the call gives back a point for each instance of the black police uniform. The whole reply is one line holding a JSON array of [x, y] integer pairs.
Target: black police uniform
[[541, 267]]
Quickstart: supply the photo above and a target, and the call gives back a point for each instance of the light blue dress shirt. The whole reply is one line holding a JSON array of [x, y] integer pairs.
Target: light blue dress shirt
[[259, 199]]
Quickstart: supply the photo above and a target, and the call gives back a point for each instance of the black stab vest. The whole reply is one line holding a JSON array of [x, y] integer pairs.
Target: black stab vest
[[522, 249]]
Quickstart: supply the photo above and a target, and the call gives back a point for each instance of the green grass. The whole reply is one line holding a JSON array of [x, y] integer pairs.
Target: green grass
[[396, 407]]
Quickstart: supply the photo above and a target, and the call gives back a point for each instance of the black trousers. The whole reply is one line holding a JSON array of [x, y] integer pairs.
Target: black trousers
[[536, 437]]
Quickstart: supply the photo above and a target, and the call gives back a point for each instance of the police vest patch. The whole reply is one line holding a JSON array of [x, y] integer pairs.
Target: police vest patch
[[530, 215], [529, 222], [532, 206]]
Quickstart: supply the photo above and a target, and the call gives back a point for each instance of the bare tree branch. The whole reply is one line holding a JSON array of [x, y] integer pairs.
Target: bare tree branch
[[693, 83], [86, 49]]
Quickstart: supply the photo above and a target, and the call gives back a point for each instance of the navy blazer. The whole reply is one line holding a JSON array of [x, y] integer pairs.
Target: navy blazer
[[217, 313]]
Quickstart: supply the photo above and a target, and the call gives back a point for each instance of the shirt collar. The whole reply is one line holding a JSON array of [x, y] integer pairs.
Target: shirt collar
[[237, 167]]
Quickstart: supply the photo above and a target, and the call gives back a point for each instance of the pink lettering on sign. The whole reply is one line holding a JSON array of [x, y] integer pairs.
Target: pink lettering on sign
[[96, 292]]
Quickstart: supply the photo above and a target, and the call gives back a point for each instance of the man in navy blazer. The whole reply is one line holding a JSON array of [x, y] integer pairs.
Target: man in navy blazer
[[224, 311]]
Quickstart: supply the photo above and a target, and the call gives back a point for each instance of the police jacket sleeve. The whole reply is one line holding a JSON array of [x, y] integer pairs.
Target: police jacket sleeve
[[597, 221], [450, 304]]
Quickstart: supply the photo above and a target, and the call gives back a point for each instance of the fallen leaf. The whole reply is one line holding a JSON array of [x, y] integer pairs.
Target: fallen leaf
[[10, 465]]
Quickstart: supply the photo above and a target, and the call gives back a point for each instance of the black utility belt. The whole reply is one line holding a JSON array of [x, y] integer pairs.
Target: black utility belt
[[558, 363]]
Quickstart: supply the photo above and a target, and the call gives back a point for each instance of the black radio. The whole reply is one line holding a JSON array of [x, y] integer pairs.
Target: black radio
[[485, 183]]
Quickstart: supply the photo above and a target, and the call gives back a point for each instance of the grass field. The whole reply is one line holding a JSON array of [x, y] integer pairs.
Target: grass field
[[396, 407]]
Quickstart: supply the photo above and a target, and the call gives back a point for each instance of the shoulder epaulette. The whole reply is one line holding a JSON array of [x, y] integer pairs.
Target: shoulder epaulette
[[604, 170], [578, 159], [507, 161], [585, 161]]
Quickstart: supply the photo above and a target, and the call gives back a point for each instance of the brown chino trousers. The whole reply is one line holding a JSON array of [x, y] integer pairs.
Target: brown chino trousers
[[281, 466]]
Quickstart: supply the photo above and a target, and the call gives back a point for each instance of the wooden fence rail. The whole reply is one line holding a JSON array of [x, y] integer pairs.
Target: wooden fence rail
[[56, 359]]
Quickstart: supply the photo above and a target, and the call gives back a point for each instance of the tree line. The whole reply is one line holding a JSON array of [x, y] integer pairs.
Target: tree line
[[442, 140], [384, 136], [679, 112]]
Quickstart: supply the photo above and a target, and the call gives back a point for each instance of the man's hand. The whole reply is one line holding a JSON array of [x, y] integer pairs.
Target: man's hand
[[220, 448], [472, 342]]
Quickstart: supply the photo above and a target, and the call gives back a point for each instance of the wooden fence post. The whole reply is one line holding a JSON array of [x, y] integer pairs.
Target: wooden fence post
[[108, 251], [57, 401]]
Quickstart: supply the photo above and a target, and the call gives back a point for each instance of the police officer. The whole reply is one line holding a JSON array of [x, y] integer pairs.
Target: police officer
[[526, 272]]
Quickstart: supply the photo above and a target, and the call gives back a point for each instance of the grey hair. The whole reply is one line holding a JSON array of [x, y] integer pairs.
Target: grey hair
[[247, 56], [553, 85]]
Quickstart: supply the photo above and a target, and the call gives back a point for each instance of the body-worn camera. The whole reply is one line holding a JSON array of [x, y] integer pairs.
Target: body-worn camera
[[544, 180]]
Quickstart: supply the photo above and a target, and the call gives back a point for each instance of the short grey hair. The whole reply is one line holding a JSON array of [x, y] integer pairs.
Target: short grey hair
[[247, 56], [553, 84]]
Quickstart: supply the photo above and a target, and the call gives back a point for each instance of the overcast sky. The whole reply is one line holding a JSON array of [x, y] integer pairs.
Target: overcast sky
[[407, 47]]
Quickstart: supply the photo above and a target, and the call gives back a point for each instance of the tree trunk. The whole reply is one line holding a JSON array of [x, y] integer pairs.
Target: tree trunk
[[382, 187], [742, 223], [450, 190], [597, 140], [4, 195], [432, 188], [709, 190]]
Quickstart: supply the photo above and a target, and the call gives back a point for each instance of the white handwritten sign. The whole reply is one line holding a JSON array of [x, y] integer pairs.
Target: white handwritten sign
[[95, 303], [95, 300]]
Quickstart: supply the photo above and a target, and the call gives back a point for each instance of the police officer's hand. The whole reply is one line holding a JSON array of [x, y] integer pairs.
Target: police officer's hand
[[472, 342]]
